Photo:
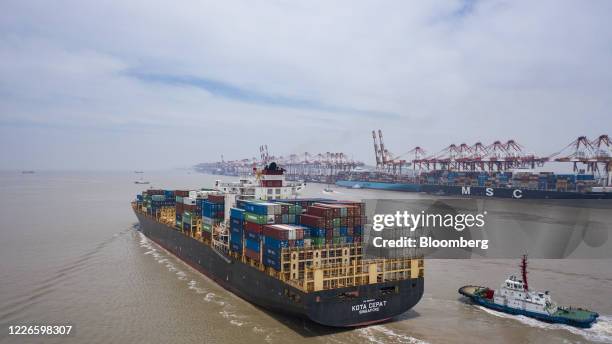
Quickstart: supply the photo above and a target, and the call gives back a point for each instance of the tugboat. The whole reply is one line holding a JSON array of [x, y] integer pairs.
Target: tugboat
[[514, 297]]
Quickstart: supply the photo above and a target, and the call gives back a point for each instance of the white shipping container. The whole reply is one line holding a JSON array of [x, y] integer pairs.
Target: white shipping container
[[207, 220], [270, 219], [292, 234], [189, 200], [193, 194]]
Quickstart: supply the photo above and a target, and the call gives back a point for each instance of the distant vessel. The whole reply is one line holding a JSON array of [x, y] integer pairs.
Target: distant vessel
[[140, 181], [28, 172], [516, 185], [514, 297]]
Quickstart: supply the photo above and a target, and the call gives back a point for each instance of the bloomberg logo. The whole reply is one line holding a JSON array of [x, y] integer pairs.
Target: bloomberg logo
[[490, 192]]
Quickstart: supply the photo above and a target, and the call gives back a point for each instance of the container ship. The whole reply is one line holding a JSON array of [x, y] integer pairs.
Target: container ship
[[515, 185], [298, 256]]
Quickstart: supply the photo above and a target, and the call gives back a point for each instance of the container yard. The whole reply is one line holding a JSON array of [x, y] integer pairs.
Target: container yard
[[301, 256], [497, 170], [320, 168]]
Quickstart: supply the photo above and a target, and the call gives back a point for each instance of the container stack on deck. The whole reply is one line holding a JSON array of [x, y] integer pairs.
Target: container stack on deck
[[213, 212], [262, 229], [157, 203]]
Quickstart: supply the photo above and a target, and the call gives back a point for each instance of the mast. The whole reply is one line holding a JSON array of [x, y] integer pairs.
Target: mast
[[524, 272]]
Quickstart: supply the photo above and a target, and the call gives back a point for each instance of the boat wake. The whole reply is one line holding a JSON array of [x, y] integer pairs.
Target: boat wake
[[380, 334], [159, 255], [601, 331]]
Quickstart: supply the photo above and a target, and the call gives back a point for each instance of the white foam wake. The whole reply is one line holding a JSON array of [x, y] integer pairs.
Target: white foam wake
[[601, 331], [381, 334]]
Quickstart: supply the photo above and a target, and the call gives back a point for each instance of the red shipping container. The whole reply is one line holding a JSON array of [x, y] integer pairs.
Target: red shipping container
[[329, 233], [253, 227], [182, 193], [312, 221], [216, 198], [320, 210], [251, 254], [281, 232]]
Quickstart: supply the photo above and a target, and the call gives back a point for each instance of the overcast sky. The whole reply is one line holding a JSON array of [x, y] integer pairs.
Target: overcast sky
[[156, 84]]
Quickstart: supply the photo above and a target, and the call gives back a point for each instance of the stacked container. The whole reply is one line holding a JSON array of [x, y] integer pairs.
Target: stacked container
[[334, 223], [279, 236], [236, 229], [213, 213]]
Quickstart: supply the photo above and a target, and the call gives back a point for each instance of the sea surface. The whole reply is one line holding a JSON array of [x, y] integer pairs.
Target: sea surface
[[71, 253]]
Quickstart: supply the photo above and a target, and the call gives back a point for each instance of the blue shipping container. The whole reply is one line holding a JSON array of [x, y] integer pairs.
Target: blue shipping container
[[237, 213], [237, 247], [252, 245]]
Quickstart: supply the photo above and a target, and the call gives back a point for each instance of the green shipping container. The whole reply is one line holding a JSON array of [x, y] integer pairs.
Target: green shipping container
[[254, 218], [343, 212], [318, 241], [207, 228], [336, 222]]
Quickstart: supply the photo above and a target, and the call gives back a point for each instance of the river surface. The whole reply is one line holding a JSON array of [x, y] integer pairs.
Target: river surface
[[70, 253]]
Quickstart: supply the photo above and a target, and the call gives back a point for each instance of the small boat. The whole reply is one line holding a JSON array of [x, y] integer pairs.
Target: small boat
[[514, 297], [356, 186], [140, 181], [28, 172]]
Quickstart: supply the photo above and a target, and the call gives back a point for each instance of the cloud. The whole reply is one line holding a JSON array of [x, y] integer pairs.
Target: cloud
[[233, 92], [191, 81]]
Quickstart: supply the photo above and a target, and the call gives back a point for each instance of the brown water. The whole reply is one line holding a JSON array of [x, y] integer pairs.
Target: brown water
[[70, 254]]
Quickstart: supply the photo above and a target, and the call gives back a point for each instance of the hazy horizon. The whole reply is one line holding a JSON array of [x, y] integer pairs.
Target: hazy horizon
[[153, 85]]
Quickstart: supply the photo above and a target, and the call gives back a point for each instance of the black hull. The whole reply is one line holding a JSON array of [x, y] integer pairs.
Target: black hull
[[515, 193], [323, 307], [474, 191]]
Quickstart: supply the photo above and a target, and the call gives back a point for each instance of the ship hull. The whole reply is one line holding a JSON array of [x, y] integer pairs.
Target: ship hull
[[476, 191], [374, 303]]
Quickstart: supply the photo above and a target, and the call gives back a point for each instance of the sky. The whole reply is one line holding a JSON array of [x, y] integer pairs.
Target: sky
[[161, 84]]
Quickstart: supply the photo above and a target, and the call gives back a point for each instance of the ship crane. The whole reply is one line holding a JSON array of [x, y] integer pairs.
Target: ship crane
[[384, 159], [419, 157], [603, 155], [479, 151], [578, 151], [495, 157], [590, 153], [464, 159], [445, 158]]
